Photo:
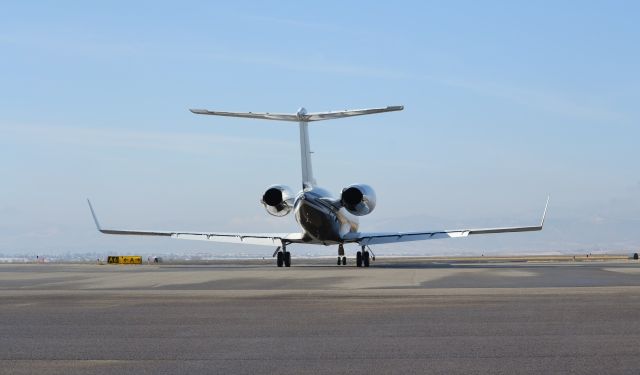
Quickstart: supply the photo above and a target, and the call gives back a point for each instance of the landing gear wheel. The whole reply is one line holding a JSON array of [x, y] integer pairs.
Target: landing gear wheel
[[359, 259], [280, 260], [287, 259], [365, 258], [344, 261], [339, 261]]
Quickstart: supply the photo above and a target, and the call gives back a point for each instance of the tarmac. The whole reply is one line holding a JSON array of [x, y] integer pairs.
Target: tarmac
[[401, 316]]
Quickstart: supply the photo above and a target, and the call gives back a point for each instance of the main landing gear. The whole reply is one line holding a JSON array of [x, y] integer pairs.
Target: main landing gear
[[283, 257], [363, 257]]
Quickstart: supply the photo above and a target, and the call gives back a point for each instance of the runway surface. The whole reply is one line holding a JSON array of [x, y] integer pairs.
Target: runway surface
[[404, 318]]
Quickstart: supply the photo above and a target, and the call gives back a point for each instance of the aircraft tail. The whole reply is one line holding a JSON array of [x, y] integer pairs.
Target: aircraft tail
[[303, 118]]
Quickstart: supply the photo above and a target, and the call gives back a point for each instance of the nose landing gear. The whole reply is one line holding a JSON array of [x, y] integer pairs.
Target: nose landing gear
[[341, 258]]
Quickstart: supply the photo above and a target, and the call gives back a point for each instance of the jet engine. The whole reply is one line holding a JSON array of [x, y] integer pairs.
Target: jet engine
[[359, 199], [278, 200]]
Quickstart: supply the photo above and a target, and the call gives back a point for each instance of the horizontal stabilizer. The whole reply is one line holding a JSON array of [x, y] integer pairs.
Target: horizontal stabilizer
[[301, 115]]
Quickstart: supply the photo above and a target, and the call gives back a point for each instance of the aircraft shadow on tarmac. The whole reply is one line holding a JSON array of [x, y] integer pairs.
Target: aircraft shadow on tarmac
[[398, 265]]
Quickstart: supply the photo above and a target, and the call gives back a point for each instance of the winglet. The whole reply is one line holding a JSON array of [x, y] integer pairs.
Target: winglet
[[544, 214], [95, 219]]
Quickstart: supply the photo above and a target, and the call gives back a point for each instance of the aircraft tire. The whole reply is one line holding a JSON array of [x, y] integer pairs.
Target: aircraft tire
[[365, 258], [280, 260], [359, 259], [344, 261], [287, 259]]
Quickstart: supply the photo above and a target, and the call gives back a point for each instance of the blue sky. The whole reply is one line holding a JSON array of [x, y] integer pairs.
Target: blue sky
[[505, 102]]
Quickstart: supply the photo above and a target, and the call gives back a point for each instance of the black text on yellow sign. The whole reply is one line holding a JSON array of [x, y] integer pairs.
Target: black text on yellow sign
[[124, 259]]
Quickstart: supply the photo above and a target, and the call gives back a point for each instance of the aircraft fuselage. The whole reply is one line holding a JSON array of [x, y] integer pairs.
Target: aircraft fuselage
[[322, 218]]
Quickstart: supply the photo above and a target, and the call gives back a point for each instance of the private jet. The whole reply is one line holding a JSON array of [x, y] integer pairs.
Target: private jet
[[323, 220]]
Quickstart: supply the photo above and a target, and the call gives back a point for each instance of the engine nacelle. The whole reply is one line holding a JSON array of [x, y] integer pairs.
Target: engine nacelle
[[359, 199], [278, 200]]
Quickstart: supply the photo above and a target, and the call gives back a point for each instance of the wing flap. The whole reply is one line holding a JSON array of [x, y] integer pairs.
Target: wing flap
[[384, 238], [267, 239]]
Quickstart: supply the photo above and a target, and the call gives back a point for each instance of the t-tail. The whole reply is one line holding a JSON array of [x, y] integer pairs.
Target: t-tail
[[303, 119]]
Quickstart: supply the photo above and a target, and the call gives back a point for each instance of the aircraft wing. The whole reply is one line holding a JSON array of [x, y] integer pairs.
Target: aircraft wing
[[269, 239], [301, 116], [392, 237]]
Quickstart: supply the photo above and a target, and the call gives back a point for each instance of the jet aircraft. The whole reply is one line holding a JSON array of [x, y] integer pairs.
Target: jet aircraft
[[323, 219]]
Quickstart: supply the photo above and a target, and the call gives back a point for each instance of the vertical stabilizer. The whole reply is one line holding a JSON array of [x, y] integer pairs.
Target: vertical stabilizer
[[305, 156]]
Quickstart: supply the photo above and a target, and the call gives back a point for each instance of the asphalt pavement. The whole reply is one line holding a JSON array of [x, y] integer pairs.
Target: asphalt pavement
[[404, 318]]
